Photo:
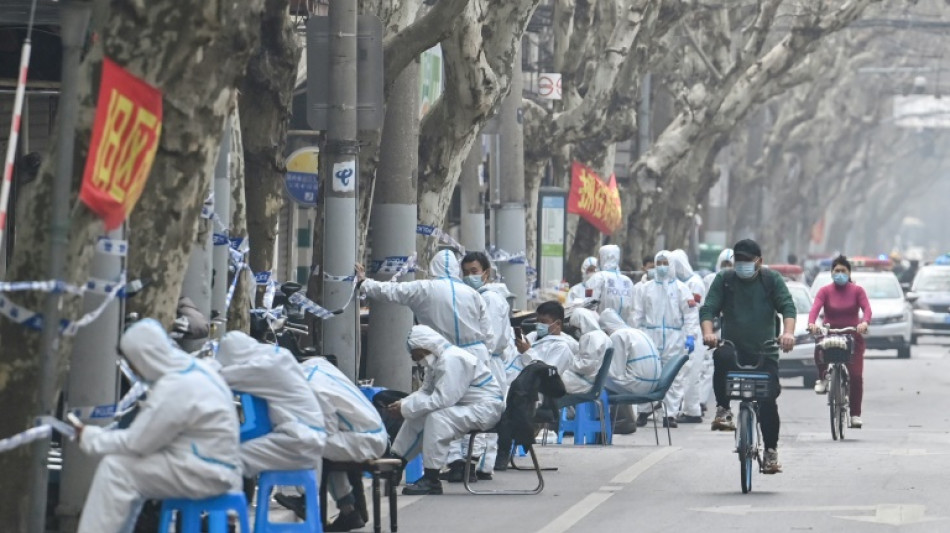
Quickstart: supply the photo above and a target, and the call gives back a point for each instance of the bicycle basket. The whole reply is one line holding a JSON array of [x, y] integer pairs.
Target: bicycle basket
[[836, 349], [748, 385]]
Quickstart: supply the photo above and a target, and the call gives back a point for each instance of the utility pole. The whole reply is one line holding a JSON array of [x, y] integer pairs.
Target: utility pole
[[74, 16], [510, 218], [222, 211], [340, 166], [394, 228], [473, 205]]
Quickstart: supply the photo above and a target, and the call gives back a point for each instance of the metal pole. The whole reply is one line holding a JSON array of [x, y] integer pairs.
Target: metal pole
[[510, 223], [341, 169], [473, 206], [74, 16], [394, 229], [222, 210], [197, 282], [91, 384]]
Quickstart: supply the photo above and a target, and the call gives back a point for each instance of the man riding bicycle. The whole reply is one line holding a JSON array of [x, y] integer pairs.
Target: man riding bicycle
[[748, 299]]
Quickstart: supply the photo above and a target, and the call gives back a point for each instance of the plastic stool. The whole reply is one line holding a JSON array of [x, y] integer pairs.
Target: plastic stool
[[266, 483], [216, 507], [256, 420], [414, 470], [586, 424]]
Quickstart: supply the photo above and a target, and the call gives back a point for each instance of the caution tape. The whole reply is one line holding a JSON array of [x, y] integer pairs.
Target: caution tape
[[116, 247], [432, 231], [43, 431], [310, 306], [269, 294], [398, 265], [330, 277], [501, 256]]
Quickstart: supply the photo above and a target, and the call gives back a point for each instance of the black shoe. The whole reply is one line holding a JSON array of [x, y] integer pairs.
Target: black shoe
[[687, 419], [702, 408], [642, 419], [294, 503], [346, 522], [483, 476], [625, 427], [423, 487], [670, 422], [456, 471]]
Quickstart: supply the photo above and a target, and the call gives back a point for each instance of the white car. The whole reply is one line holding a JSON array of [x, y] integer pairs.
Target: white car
[[930, 297], [800, 362], [891, 321]]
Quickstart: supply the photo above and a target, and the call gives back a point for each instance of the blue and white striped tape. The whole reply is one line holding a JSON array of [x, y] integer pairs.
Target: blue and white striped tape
[[310, 306], [112, 246]]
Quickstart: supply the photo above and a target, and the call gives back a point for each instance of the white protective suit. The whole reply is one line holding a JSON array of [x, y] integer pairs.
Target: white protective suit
[[706, 379], [580, 375], [299, 435], [664, 314], [182, 444], [558, 350], [578, 292], [458, 395], [636, 365], [610, 287], [445, 304], [355, 431], [684, 273]]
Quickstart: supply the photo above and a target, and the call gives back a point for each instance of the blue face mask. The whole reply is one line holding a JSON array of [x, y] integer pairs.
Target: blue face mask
[[840, 278], [662, 271], [474, 282], [542, 329], [745, 269]]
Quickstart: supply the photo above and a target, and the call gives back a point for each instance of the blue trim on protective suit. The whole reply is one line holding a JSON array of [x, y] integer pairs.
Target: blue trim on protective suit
[[212, 460]]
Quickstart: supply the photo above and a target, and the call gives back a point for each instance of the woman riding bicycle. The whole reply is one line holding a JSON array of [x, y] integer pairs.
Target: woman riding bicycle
[[841, 301]]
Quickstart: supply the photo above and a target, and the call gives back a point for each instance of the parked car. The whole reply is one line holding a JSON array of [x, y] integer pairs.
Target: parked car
[[930, 298], [891, 323], [800, 362]]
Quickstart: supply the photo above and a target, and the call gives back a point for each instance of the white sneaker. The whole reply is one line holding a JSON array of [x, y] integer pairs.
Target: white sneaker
[[821, 387], [856, 422]]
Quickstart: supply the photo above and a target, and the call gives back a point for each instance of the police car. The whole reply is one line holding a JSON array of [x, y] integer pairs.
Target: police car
[[891, 324]]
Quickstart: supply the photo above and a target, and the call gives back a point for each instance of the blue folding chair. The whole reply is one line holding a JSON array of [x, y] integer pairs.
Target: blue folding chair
[[594, 396], [670, 370]]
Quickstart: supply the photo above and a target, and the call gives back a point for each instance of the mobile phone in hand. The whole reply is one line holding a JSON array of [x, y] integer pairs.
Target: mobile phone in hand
[[519, 333]]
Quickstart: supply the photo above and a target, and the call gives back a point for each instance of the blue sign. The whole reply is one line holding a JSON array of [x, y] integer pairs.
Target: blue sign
[[303, 187]]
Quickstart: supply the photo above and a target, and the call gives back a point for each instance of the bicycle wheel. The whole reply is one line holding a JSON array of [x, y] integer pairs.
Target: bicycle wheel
[[833, 402], [746, 429], [843, 400]]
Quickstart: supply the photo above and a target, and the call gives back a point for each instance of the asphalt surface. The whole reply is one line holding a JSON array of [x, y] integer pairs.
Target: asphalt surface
[[892, 475]]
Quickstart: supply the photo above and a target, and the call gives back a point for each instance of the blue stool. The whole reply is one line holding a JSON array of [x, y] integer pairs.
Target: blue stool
[[256, 420], [270, 479], [413, 471], [586, 424], [217, 509]]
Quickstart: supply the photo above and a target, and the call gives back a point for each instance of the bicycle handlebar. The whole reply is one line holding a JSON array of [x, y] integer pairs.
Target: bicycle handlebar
[[759, 356]]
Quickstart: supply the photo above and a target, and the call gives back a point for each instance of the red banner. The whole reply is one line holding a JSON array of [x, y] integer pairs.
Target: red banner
[[124, 141], [596, 201]]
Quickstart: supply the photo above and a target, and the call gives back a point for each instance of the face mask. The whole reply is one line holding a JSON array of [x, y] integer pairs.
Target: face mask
[[651, 273], [840, 278], [662, 271], [542, 330], [745, 269], [474, 282]]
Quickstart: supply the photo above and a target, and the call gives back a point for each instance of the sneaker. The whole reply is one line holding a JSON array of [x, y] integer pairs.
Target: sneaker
[[670, 422], [771, 464], [346, 522], [856, 422], [483, 476], [642, 419], [294, 503], [423, 487], [689, 419], [821, 386], [456, 471], [723, 420]]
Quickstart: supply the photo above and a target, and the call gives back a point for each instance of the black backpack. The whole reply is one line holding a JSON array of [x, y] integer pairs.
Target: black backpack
[[766, 278]]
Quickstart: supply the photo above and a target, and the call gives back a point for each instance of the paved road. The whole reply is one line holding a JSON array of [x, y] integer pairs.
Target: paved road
[[894, 472]]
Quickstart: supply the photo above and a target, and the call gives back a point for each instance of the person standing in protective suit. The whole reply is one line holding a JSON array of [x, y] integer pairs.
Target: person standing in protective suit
[[458, 395], [691, 412], [663, 313], [578, 293], [611, 288], [267, 371], [182, 444]]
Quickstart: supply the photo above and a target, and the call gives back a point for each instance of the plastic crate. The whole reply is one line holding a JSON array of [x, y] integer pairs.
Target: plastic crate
[[749, 385]]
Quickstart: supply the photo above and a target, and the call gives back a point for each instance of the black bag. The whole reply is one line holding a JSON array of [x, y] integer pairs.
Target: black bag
[[521, 409]]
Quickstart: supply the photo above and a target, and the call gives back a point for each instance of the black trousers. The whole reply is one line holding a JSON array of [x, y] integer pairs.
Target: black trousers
[[725, 362]]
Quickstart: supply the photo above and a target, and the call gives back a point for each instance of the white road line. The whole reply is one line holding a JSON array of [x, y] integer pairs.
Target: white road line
[[579, 510]]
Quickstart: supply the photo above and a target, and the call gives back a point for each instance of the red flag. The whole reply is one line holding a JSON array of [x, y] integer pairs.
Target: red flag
[[596, 201]]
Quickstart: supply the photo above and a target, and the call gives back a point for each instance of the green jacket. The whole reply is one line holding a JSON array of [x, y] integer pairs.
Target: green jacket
[[748, 315]]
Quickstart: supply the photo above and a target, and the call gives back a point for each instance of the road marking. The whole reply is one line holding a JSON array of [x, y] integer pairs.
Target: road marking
[[885, 513], [586, 505]]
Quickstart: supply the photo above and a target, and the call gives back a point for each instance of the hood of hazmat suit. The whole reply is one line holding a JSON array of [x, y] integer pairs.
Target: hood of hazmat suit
[[592, 346]]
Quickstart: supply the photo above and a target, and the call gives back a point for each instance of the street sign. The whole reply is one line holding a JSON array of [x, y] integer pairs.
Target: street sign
[[302, 179], [369, 65], [552, 228], [549, 86]]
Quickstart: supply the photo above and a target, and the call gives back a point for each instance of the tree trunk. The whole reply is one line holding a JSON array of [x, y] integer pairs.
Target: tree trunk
[[266, 94], [194, 57]]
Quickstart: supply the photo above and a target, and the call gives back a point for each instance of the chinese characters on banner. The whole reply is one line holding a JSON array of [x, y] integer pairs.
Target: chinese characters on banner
[[596, 201], [124, 141]]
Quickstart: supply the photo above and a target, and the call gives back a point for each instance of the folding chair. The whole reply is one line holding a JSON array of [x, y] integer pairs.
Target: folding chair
[[667, 376]]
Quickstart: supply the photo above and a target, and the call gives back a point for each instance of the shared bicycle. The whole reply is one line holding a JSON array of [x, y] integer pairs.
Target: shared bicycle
[[837, 348]]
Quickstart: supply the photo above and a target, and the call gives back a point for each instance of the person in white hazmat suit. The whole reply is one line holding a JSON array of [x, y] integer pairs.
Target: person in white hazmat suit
[[593, 344], [636, 364], [299, 434], [611, 288], [547, 342], [477, 272], [663, 313], [725, 262], [691, 412], [182, 444], [458, 395], [578, 293]]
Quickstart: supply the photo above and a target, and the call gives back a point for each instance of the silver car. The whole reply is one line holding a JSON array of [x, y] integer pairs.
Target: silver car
[[891, 320], [930, 297], [800, 362]]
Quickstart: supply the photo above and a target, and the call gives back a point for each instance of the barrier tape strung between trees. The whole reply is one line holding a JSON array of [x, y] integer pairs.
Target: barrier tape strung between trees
[[44, 430]]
